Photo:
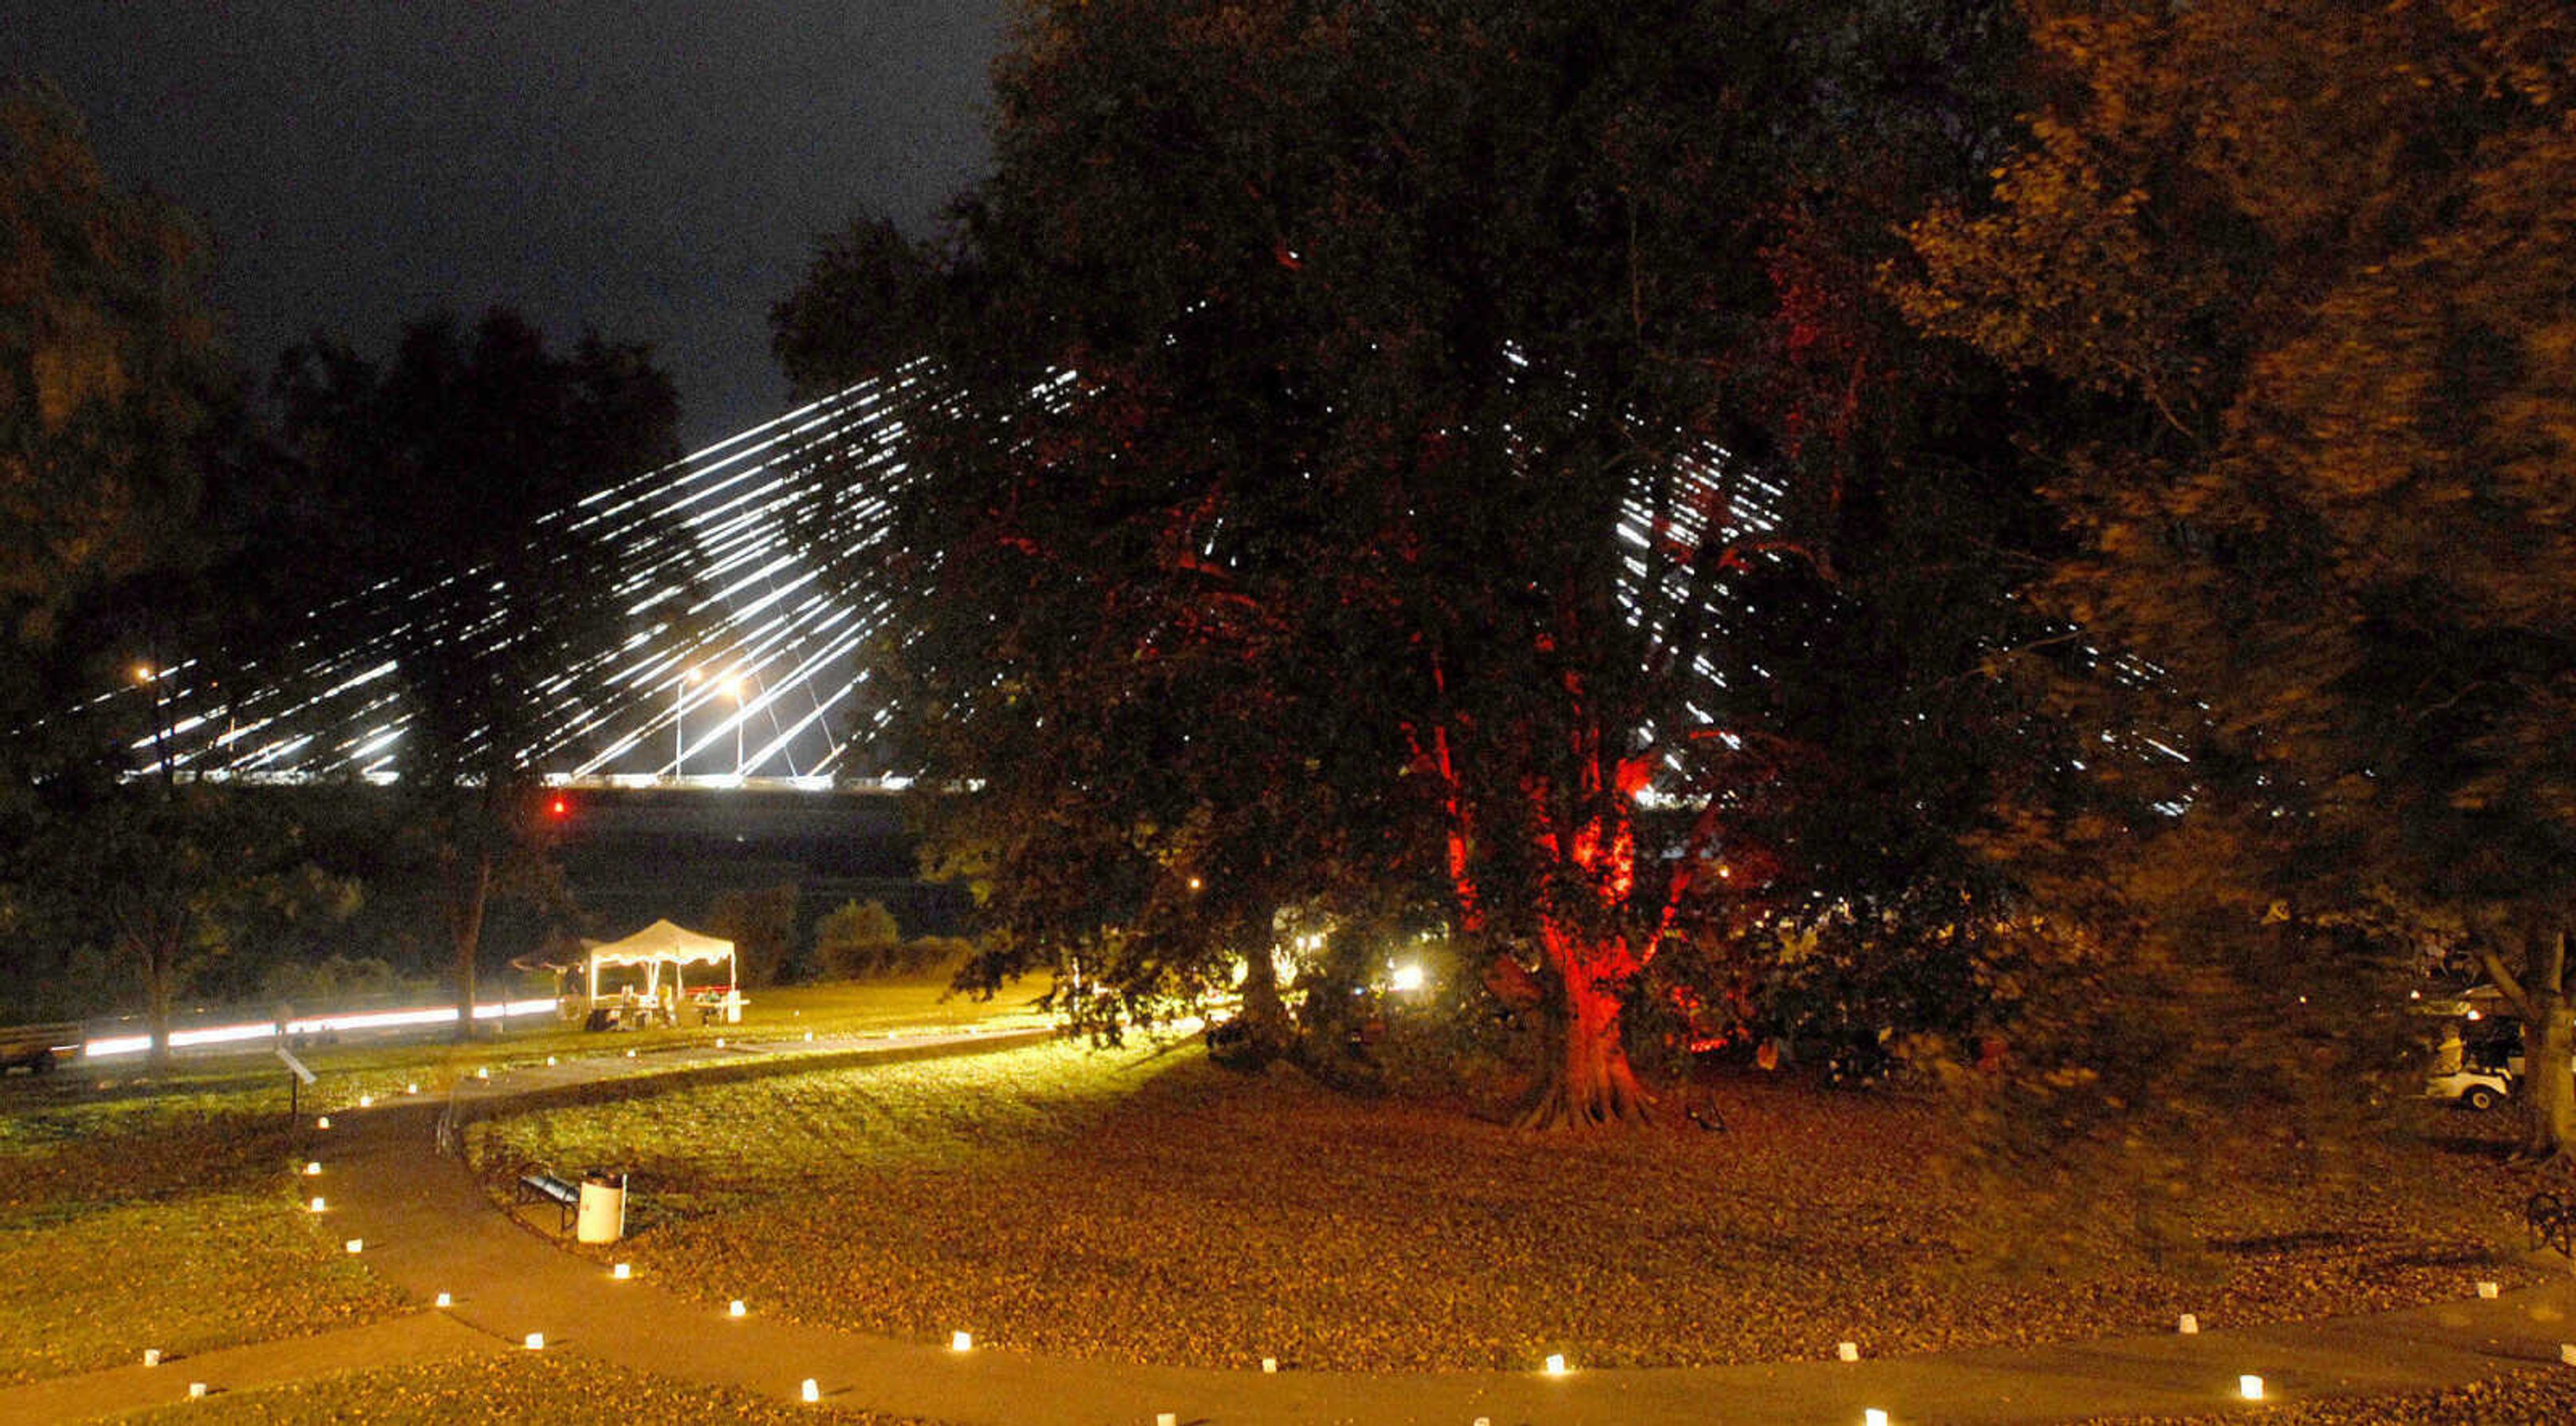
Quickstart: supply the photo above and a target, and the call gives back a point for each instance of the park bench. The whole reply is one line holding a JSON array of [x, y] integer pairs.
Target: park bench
[[2552, 1218], [566, 1197]]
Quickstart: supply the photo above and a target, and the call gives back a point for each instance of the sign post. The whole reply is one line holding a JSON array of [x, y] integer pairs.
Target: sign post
[[300, 1077]]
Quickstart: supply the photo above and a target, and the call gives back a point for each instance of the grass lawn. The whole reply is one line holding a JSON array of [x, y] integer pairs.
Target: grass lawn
[[174, 1229], [142, 1209], [1137, 1207], [558, 1388], [87, 1095]]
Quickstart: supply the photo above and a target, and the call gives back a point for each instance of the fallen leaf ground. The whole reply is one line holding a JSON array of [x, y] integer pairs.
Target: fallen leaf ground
[[2538, 1398], [1149, 1207], [558, 1388]]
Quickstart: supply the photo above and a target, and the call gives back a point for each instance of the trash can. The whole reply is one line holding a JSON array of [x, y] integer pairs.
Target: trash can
[[733, 1007], [603, 1208]]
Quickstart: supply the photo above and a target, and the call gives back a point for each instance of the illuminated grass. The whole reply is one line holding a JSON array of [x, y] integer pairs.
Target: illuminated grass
[[161, 1232], [1156, 1209], [158, 1209], [251, 1080], [559, 1388]]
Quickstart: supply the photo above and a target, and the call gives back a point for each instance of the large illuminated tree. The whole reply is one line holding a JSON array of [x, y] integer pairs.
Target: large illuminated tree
[[1369, 415]]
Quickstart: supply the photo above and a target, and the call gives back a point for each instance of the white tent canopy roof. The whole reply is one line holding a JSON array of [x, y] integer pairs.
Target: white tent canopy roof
[[659, 944]]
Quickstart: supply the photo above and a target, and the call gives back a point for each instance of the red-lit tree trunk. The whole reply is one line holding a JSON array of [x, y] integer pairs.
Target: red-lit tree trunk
[[1587, 1081]]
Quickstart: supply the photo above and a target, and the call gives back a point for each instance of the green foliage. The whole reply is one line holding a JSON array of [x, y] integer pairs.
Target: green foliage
[[856, 941], [179, 890], [1347, 554], [432, 474], [106, 366], [762, 926], [2298, 268]]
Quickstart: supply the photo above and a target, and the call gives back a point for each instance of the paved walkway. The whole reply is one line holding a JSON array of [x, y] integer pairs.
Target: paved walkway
[[428, 1229]]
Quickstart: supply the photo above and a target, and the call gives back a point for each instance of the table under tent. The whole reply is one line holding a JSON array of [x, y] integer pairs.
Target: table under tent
[[647, 979]]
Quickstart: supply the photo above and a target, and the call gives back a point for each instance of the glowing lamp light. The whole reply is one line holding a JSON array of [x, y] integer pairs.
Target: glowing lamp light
[[2488, 1291], [2250, 1387], [813, 1390], [318, 1204], [1556, 1364], [446, 1299], [961, 1341], [355, 1245], [322, 1123], [366, 1101], [809, 1037], [630, 1054], [536, 1341], [2474, 1015], [735, 1308], [719, 1042], [550, 1059], [621, 1272], [313, 1169], [1847, 1351], [1407, 978], [411, 1089], [482, 1071]]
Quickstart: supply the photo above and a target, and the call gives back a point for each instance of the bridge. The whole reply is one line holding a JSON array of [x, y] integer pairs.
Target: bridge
[[740, 664], [743, 664]]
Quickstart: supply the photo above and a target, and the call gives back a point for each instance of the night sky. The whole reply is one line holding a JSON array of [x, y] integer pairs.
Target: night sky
[[657, 169]]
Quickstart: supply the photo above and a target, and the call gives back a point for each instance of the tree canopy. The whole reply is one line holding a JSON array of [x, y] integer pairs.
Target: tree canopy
[[1351, 433], [441, 477], [2303, 271]]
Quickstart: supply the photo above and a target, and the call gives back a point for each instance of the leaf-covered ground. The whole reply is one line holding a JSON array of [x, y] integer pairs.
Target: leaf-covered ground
[[2540, 1398], [1152, 1208], [123, 1229], [557, 1388]]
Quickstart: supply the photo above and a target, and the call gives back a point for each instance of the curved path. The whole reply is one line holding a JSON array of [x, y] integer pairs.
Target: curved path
[[428, 1228]]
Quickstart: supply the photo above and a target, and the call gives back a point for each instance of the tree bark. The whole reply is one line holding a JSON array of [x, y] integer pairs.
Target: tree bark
[[1263, 1013], [160, 991], [465, 924], [1587, 1081], [2548, 1046]]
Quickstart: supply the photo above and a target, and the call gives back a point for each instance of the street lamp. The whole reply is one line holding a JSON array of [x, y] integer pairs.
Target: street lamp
[[149, 677], [733, 690], [679, 733]]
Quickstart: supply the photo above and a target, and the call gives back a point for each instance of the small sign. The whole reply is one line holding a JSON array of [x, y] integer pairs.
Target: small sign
[[301, 1073]]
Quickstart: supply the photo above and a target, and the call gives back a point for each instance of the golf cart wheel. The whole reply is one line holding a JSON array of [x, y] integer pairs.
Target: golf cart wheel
[[2480, 1098]]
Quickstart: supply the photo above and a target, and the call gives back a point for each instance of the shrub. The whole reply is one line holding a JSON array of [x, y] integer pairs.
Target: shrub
[[859, 940]]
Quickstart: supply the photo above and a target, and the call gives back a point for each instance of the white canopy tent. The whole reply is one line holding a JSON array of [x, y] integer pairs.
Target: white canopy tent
[[661, 949]]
